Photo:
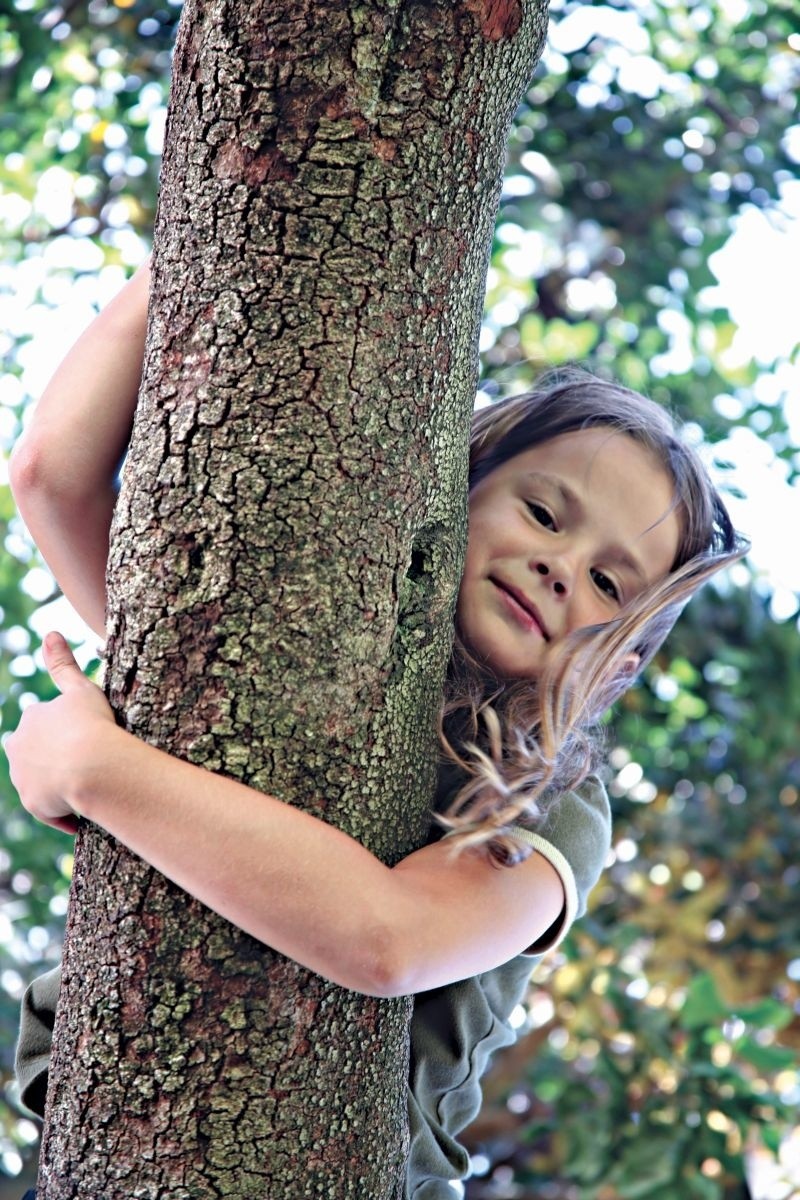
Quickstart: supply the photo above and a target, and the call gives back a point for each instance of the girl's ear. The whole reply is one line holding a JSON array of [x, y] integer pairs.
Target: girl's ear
[[630, 664], [618, 681]]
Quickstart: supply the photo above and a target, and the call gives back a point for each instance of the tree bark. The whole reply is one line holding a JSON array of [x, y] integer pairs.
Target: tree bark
[[285, 556]]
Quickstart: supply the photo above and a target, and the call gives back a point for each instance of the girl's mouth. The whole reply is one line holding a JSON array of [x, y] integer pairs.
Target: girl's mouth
[[521, 608]]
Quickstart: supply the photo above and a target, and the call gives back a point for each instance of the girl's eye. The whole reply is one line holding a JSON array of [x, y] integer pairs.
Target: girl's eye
[[542, 515], [606, 585]]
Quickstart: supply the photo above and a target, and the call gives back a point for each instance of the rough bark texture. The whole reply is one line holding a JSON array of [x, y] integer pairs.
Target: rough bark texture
[[286, 552]]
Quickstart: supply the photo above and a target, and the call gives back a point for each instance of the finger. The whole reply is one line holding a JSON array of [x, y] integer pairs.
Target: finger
[[65, 824], [60, 662]]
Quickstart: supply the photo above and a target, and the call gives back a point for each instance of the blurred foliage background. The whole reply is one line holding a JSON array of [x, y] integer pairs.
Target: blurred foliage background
[[660, 1045]]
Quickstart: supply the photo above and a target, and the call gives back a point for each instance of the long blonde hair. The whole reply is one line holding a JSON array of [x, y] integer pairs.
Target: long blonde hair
[[519, 744]]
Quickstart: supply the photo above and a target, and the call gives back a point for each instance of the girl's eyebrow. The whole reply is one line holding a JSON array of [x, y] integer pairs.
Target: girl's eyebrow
[[564, 490], [618, 553]]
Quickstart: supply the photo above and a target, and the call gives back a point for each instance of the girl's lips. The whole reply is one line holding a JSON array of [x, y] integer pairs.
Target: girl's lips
[[525, 613]]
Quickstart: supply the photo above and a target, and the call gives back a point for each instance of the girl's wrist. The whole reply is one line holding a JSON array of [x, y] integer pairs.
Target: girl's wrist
[[89, 769]]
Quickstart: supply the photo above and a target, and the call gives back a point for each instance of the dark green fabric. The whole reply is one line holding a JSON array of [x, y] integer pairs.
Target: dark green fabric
[[35, 1038], [454, 1030]]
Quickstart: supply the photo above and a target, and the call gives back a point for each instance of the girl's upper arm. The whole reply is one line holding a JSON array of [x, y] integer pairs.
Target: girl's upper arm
[[460, 916]]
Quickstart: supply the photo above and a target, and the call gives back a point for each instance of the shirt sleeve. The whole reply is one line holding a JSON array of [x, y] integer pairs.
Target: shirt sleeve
[[575, 838], [35, 1038]]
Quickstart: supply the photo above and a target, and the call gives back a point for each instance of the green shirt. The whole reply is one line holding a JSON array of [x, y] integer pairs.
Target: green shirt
[[454, 1029]]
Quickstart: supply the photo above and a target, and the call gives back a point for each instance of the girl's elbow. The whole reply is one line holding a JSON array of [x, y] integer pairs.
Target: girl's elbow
[[389, 970], [24, 469], [31, 470], [386, 983]]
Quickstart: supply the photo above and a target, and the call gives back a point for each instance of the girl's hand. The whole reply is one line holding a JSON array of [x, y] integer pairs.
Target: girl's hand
[[54, 740]]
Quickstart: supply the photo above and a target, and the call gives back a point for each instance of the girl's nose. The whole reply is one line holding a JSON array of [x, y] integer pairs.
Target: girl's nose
[[559, 586]]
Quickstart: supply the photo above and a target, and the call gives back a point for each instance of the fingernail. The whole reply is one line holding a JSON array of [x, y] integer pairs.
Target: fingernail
[[52, 640]]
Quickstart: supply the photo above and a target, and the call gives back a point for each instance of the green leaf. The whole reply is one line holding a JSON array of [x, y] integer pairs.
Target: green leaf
[[700, 1187], [649, 1166], [767, 1013], [772, 1137], [703, 1005], [766, 1058]]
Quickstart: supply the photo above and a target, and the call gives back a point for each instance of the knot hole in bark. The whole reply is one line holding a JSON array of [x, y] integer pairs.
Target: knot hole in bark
[[196, 557], [424, 586]]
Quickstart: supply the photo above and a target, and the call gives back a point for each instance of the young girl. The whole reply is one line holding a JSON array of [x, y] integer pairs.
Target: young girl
[[591, 524]]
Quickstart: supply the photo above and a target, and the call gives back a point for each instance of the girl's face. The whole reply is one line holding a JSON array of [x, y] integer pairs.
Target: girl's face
[[560, 537]]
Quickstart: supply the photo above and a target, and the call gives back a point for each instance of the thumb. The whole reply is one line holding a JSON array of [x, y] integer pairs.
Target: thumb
[[60, 662]]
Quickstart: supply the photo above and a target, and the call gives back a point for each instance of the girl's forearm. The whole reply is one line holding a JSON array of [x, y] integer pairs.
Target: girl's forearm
[[72, 536], [290, 880]]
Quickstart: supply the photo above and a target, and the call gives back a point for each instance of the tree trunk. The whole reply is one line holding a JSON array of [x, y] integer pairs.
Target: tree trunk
[[285, 557]]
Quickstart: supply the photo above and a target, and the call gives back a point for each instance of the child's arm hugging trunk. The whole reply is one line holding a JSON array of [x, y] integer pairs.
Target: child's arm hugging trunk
[[64, 468]]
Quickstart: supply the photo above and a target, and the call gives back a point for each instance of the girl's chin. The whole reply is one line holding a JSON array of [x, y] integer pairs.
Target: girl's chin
[[503, 651], [500, 665]]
